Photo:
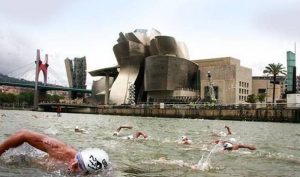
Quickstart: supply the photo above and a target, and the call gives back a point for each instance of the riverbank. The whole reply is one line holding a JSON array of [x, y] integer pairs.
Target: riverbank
[[274, 113], [239, 113], [266, 115]]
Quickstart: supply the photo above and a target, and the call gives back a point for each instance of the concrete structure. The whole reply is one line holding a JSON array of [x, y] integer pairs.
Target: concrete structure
[[69, 70], [293, 100], [101, 88], [44, 68], [279, 114], [232, 82], [264, 85]]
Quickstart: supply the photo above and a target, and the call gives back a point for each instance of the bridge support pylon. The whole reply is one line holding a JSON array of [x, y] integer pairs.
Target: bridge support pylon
[[40, 66]]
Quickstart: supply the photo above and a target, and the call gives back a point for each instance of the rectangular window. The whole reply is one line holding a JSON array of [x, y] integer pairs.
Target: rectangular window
[[261, 90]]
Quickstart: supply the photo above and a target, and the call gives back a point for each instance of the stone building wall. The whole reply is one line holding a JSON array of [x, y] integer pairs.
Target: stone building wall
[[234, 82]]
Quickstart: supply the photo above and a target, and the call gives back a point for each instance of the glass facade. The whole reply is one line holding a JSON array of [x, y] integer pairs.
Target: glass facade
[[291, 63]]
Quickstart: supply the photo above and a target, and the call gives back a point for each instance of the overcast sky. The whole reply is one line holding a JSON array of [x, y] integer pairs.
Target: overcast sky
[[257, 32]]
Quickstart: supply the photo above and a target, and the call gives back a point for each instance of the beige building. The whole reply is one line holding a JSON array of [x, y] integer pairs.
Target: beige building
[[232, 82], [263, 84]]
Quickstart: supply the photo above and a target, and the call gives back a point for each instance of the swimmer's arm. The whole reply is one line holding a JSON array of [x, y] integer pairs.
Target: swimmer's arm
[[228, 130], [250, 147], [17, 139], [220, 141], [124, 126], [140, 133]]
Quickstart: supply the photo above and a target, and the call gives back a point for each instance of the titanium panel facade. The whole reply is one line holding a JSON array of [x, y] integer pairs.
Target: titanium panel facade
[[155, 66], [169, 73], [130, 55]]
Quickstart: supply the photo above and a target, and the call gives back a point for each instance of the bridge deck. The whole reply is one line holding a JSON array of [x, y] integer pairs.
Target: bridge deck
[[46, 87]]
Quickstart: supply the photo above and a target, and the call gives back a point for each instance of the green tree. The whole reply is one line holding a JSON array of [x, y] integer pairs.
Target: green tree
[[261, 97], [53, 98], [11, 98], [275, 70], [251, 98]]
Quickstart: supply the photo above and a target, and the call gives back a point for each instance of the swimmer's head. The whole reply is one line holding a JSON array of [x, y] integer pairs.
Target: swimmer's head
[[116, 134], [228, 146], [232, 140], [184, 138], [92, 159]]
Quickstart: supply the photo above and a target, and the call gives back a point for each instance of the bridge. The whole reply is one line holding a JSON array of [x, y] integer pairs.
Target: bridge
[[46, 87], [40, 89]]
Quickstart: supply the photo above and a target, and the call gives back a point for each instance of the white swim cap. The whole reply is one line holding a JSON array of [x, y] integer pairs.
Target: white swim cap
[[92, 159], [232, 140], [227, 146], [184, 138], [116, 134]]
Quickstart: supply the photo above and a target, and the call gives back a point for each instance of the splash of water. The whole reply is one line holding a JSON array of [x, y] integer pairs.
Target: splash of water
[[204, 163], [51, 131]]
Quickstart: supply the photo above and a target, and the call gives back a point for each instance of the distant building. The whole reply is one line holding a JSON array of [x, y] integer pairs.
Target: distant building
[[151, 68], [291, 72], [298, 84], [264, 85], [14, 90], [232, 82], [76, 72]]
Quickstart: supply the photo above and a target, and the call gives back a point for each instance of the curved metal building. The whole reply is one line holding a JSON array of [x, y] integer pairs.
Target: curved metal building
[[130, 55], [169, 73], [165, 74], [152, 66]]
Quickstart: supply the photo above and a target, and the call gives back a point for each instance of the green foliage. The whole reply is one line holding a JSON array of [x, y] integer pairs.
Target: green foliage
[[53, 98], [261, 97], [26, 97], [7, 98], [251, 98], [275, 70]]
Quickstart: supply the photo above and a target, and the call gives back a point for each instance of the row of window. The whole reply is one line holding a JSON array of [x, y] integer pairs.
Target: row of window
[[243, 84], [242, 98], [243, 91]]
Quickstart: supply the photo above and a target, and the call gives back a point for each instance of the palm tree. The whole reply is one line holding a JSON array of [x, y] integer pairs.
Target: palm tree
[[275, 70]]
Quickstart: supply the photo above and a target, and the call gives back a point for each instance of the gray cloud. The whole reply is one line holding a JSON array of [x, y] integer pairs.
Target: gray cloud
[[282, 20], [32, 11], [15, 51]]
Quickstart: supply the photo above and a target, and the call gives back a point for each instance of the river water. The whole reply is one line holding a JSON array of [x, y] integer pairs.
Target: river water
[[277, 154]]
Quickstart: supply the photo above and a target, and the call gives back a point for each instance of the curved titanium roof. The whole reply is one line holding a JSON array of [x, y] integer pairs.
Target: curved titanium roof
[[111, 71]]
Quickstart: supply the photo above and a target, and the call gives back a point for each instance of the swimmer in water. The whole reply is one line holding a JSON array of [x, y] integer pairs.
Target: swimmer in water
[[228, 130], [85, 161], [231, 144], [185, 140], [117, 133], [136, 135], [79, 130], [223, 133]]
